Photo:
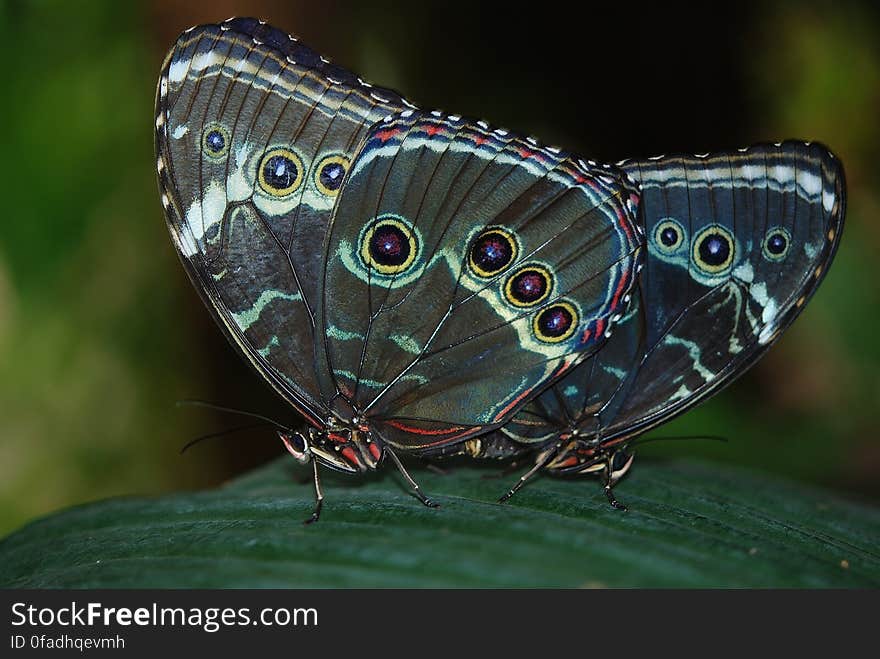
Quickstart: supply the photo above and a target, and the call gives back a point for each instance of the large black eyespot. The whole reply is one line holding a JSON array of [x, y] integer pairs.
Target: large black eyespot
[[776, 244], [555, 323], [329, 174], [215, 141], [713, 249], [668, 236], [528, 286], [389, 245], [492, 252], [280, 172]]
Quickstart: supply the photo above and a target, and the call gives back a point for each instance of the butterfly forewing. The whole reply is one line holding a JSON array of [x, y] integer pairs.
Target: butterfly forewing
[[255, 133]]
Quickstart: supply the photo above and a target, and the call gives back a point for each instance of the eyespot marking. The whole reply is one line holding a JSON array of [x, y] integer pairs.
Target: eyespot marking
[[668, 236], [556, 323], [776, 244], [713, 249], [280, 172], [528, 286], [492, 252], [330, 173], [388, 245], [215, 141]]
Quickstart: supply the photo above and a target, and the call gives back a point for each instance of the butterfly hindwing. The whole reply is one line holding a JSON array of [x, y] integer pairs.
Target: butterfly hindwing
[[737, 243], [466, 267], [782, 208], [589, 393]]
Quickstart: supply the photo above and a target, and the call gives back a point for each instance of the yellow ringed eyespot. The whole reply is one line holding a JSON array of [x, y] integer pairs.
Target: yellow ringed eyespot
[[776, 244], [280, 172], [389, 245], [556, 322], [215, 141], [713, 249], [492, 251], [330, 173], [668, 236], [528, 286]]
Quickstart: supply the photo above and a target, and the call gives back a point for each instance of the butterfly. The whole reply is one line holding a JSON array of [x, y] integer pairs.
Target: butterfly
[[405, 280], [736, 245]]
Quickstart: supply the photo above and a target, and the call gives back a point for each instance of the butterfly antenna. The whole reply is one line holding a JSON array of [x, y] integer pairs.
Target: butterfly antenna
[[221, 433], [712, 438], [230, 410]]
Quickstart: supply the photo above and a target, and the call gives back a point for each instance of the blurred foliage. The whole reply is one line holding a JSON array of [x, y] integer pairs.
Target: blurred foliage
[[93, 348], [100, 331]]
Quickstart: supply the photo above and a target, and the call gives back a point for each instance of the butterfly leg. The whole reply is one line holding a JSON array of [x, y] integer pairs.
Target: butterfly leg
[[608, 493], [613, 475], [319, 496], [409, 479], [539, 465]]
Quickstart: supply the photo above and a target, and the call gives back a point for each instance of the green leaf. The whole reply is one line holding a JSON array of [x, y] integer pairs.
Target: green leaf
[[688, 524]]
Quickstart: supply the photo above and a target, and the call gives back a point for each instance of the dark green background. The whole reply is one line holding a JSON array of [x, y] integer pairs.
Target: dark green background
[[100, 331]]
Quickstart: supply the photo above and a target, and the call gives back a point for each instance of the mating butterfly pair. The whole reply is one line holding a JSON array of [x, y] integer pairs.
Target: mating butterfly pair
[[411, 281]]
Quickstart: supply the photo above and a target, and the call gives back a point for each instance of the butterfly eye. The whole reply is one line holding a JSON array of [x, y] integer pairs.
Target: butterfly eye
[[329, 174], [713, 249], [555, 323], [296, 445], [776, 244], [215, 141], [389, 245], [528, 286], [280, 172], [492, 252], [668, 236]]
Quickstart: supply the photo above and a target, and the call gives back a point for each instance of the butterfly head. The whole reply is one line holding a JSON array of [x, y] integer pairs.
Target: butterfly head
[[582, 454], [351, 449]]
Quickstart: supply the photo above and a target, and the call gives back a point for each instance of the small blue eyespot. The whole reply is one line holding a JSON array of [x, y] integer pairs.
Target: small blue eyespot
[[776, 244], [215, 141], [331, 175], [668, 236]]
